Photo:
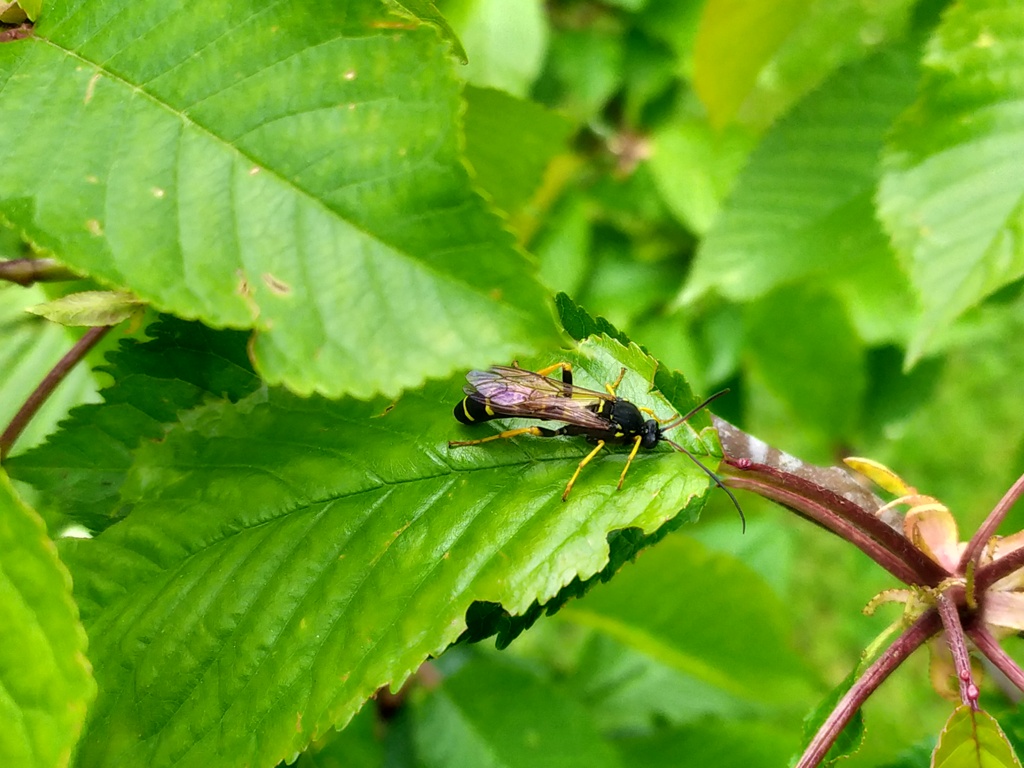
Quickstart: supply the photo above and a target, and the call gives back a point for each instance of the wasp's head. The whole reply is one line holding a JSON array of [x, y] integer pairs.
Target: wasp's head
[[650, 434]]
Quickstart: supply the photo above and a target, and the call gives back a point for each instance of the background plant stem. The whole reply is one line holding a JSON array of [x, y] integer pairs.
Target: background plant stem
[[47, 385]]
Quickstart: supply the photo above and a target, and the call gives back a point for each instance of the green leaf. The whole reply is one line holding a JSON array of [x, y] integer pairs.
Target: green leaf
[[670, 338], [18, 12], [695, 167], [751, 61], [89, 308], [286, 557], [44, 674], [630, 692], [509, 143], [584, 70], [951, 198], [976, 393], [32, 8], [486, 619], [1011, 722], [690, 609], [973, 739], [676, 24], [30, 348], [578, 324], [357, 746], [674, 386], [734, 43], [916, 756], [628, 5], [816, 369], [301, 178], [81, 468], [639, 253], [424, 10], [505, 50], [563, 246], [852, 737], [723, 744], [877, 294], [802, 206], [650, 77], [494, 715]]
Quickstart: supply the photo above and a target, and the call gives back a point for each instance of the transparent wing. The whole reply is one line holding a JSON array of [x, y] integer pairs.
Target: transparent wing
[[516, 392]]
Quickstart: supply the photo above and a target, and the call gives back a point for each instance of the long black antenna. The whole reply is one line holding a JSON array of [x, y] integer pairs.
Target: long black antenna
[[714, 478], [697, 408]]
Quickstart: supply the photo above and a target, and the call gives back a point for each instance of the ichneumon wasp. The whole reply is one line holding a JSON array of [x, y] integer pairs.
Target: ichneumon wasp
[[602, 418]]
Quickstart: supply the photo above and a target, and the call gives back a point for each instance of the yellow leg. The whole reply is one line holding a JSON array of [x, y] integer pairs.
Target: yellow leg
[[592, 454], [500, 436], [655, 416], [636, 447], [614, 386], [555, 367]]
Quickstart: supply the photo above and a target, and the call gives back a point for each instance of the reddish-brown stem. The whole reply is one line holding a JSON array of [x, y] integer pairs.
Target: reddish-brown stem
[[47, 385], [987, 644], [877, 540], [987, 529], [989, 574], [874, 676], [950, 615], [28, 271]]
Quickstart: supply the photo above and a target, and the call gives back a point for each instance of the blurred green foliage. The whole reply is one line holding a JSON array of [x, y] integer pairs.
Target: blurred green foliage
[[738, 237], [801, 201], [816, 204]]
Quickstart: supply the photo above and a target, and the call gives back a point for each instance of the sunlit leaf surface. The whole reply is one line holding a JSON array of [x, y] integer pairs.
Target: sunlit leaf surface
[[189, 160], [44, 675], [285, 557], [952, 198]]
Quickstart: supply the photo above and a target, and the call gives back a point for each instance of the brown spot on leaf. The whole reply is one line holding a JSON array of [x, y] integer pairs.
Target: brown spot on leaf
[[393, 25], [388, 409], [276, 284], [243, 289], [90, 89]]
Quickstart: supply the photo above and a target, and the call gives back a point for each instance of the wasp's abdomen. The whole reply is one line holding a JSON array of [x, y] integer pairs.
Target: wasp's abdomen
[[470, 411]]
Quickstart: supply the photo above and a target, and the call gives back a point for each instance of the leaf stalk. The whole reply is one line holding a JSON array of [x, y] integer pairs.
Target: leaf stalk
[[908, 642], [950, 615], [46, 387], [28, 271], [988, 528]]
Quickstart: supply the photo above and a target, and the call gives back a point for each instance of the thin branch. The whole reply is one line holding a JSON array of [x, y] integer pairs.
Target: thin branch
[[28, 271], [874, 676], [958, 648], [889, 549], [47, 385], [828, 496], [738, 444], [987, 529], [988, 645], [989, 574]]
